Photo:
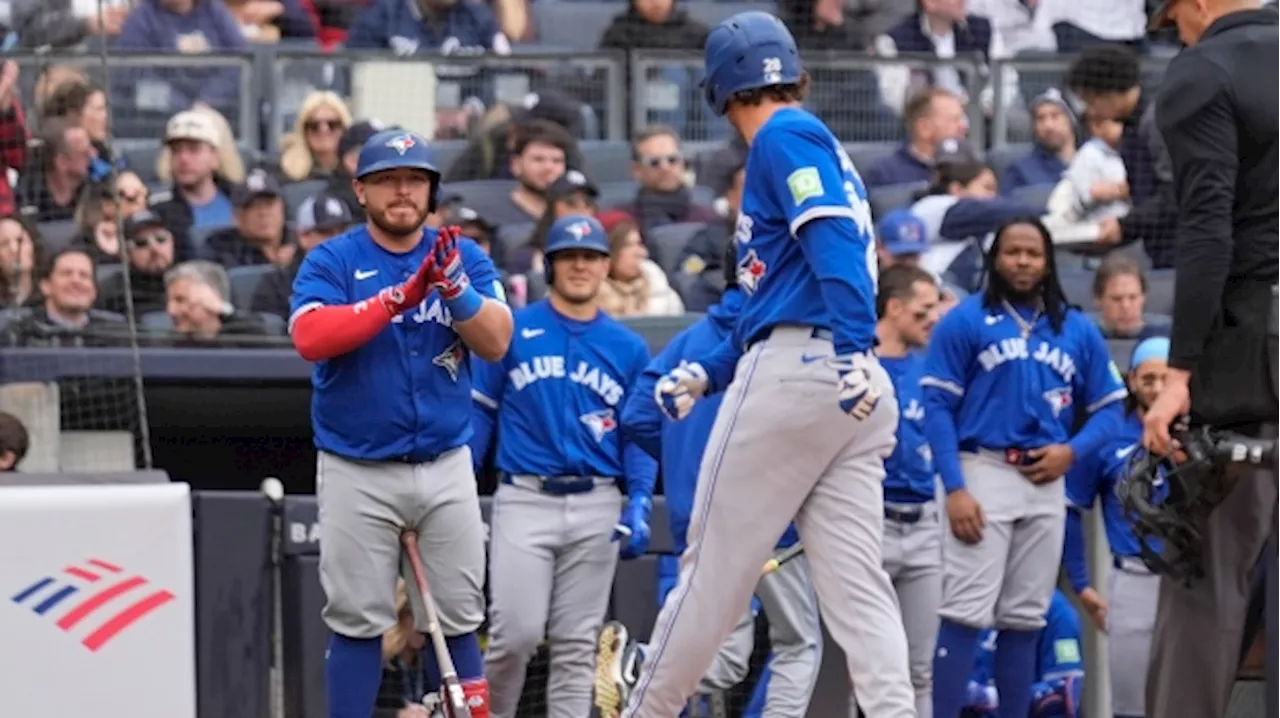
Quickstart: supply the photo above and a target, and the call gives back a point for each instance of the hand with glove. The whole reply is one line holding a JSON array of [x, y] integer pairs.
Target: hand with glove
[[633, 527], [396, 300], [858, 398], [450, 278], [678, 390]]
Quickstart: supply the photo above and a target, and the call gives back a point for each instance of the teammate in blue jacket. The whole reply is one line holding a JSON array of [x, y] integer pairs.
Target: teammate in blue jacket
[[555, 400], [388, 312], [802, 431], [786, 594], [907, 305], [1007, 373], [1129, 620], [1059, 670]]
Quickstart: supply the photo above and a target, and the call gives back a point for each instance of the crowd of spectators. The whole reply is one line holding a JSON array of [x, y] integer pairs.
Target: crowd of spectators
[[207, 252]]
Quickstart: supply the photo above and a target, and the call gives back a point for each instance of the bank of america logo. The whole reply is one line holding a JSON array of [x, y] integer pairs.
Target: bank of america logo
[[93, 584]]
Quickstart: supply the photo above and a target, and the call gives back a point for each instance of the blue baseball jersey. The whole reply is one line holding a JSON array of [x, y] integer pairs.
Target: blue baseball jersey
[[679, 445], [1096, 476], [797, 172], [1007, 391], [399, 396], [909, 475], [558, 395]]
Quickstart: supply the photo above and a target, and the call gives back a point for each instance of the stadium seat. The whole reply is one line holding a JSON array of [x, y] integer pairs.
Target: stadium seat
[[607, 161], [296, 192], [616, 194], [244, 282], [890, 197], [155, 323], [141, 160], [1160, 291], [105, 272], [1036, 195], [1000, 158], [478, 194], [445, 152], [1077, 284], [865, 155], [55, 236], [574, 25], [665, 243], [274, 323]]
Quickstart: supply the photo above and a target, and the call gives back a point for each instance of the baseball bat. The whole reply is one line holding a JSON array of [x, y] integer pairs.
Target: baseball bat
[[455, 700], [781, 558]]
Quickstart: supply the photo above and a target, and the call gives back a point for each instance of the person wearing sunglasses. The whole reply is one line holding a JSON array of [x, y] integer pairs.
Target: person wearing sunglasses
[[664, 196], [311, 151], [149, 249]]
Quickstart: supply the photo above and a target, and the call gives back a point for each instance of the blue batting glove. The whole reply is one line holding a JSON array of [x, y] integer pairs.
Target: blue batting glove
[[633, 528], [858, 398], [451, 278], [981, 697], [676, 392]]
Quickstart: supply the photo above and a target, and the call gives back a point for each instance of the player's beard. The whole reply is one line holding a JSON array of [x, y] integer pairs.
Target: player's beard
[[397, 229]]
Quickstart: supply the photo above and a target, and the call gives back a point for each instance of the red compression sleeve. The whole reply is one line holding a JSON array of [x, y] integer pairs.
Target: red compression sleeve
[[328, 332]]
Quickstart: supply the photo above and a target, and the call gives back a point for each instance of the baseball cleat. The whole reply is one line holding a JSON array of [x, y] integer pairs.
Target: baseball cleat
[[617, 669]]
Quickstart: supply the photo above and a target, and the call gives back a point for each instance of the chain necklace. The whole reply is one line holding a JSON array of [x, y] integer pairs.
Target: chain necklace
[[1025, 327]]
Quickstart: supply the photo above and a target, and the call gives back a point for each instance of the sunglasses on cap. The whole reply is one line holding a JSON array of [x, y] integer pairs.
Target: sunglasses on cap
[[655, 161], [157, 237]]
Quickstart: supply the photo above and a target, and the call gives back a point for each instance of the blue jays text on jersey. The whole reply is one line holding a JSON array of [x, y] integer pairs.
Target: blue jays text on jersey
[[556, 397], [994, 387], [909, 475], [398, 396], [679, 445], [797, 173]]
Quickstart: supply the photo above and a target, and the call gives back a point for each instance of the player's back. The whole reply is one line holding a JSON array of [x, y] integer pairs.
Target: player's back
[[796, 172]]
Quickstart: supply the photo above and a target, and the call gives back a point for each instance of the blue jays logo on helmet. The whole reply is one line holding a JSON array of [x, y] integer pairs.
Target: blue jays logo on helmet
[[747, 51], [577, 232], [395, 149], [401, 143]]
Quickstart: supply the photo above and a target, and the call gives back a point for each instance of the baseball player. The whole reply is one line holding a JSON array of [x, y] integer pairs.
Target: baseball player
[[1129, 618], [802, 431], [1059, 671], [555, 401], [388, 311], [786, 594], [1007, 373], [907, 305]]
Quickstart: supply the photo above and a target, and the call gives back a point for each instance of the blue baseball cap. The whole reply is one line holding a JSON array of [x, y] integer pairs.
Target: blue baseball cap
[[901, 232], [577, 231], [1148, 349]]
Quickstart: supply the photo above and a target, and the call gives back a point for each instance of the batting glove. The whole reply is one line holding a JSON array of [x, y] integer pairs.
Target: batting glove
[[450, 278], [857, 397], [633, 528], [677, 391], [396, 300]]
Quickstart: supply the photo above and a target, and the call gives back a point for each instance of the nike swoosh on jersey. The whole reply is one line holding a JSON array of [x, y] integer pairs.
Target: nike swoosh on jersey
[[809, 358], [992, 319], [532, 333], [1121, 453], [365, 274]]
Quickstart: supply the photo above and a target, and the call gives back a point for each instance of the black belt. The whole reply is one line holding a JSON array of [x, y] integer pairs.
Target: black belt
[[1011, 455], [556, 485], [904, 516], [815, 332], [397, 459]]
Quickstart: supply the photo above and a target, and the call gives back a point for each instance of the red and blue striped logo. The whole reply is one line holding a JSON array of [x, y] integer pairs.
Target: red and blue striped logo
[[94, 584]]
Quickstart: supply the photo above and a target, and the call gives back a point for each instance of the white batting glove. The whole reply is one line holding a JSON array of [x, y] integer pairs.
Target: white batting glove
[[677, 391], [857, 397]]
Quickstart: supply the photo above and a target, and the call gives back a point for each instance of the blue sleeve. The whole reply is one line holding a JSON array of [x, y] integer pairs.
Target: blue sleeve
[[488, 381], [1073, 554], [295, 22], [368, 30], [484, 275], [979, 217], [641, 418], [228, 29], [135, 32], [1060, 651], [639, 467], [945, 375], [1013, 178], [832, 219], [720, 364], [317, 284]]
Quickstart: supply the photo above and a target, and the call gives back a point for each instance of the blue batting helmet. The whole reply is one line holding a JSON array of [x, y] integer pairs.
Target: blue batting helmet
[[392, 149], [748, 51], [576, 231]]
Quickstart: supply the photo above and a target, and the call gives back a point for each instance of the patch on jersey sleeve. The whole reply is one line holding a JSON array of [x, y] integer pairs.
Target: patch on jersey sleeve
[[1115, 372], [499, 292], [1066, 650], [805, 183]]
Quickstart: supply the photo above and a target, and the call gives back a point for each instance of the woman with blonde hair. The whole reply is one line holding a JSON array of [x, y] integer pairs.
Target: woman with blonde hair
[[311, 150], [404, 678], [636, 285], [230, 164]]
